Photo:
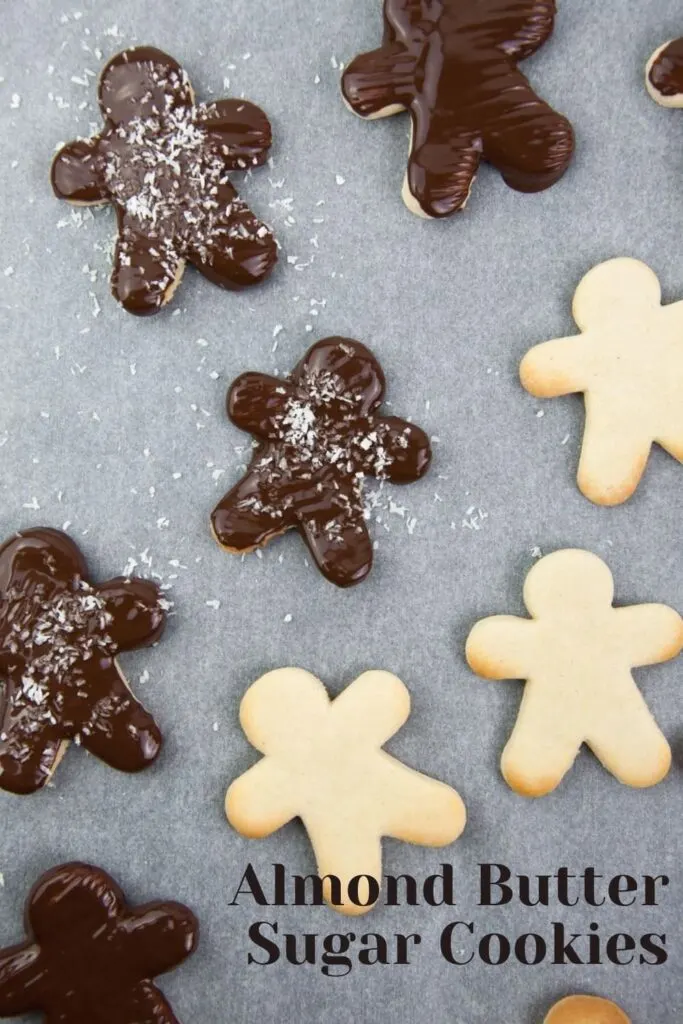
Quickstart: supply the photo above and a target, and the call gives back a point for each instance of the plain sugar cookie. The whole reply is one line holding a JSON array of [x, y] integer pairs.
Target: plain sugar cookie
[[628, 362], [576, 653], [323, 762], [586, 1010]]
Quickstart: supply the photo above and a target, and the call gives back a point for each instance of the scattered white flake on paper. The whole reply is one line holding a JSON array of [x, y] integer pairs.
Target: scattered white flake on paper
[[339, 179], [213, 604]]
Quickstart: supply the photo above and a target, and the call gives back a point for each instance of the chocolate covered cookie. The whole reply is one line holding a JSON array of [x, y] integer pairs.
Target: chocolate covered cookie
[[90, 957], [319, 436], [453, 65], [59, 680], [163, 161]]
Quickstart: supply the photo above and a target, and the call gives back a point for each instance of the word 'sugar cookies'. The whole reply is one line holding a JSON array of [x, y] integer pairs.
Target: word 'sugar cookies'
[[576, 653], [323, 763], [163, 162], [453, 64]]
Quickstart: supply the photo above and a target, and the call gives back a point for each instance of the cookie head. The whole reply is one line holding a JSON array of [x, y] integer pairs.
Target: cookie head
[[622, 289], [586, 1010], [566, 579], [142, 83], [664, 74]]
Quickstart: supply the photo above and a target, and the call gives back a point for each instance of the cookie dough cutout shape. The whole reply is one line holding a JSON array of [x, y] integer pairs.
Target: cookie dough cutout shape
[[664, 74], [59, 640], [319, 436], [628, 362], [586, 1010], [453, 65], [575, 654], [323, 763], [91, 957], [163, 162]]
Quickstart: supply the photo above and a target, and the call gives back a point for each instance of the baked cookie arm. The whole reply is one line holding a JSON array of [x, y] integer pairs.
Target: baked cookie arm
[[116, 727], [407, 449], [614, 451], [19, 970], [533, 30], [531, 145], [159, 935], [501, 647], [257, 404], [544, 743], [380, 82], [627, 740], [442, 163], [241, 129], [340, 546], [558, 367], [146, 270], [416, 808], [77, 174], [259, 802], [652, 633], [372, 708]]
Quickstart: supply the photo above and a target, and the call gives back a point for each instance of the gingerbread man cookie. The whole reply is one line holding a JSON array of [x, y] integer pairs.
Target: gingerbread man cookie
[[586, 1010], [628, 362], [59, 639], [453, 64], [664, 74], [164, 163], [319, 436], [89, 956], [576, 653], [323, 762]]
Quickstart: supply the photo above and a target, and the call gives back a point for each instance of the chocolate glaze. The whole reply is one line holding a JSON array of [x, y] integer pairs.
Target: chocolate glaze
[[453, 64], [90, 958], [319, 436], [163, 162], [59, 681], [666, 73]]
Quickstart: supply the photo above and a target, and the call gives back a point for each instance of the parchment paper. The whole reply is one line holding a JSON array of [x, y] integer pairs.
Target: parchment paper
[[116, 426]]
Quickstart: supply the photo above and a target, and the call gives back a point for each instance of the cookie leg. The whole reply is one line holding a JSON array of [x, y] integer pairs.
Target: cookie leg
[[628, 741], [345, 852], [243, 521], [543, 745], [532, 145], [379, 83], [146, 271], [442, 164], [117, 729], [614, 453], [243, 254], [341, 547]]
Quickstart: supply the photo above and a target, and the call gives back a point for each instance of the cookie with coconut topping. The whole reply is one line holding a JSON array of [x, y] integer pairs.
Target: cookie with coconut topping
[[59, 680], [163, 161], [319, 435]]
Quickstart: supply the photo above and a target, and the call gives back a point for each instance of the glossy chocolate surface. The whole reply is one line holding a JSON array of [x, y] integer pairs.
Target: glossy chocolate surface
[[319, 435], [163, 162], [453, 64], [666, 73], [90, 958], [59, 681]]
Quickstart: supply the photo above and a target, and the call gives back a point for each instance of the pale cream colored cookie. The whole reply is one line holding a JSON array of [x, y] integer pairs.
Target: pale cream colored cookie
[[628, 362], [576, 653], [324, 764], [586, 1010]]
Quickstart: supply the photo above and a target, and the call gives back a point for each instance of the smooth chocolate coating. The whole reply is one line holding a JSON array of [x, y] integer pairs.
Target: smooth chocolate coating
[[90, 958], [319, 436], [666, 73], [59, 681], [163, 162], [453, 64]]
